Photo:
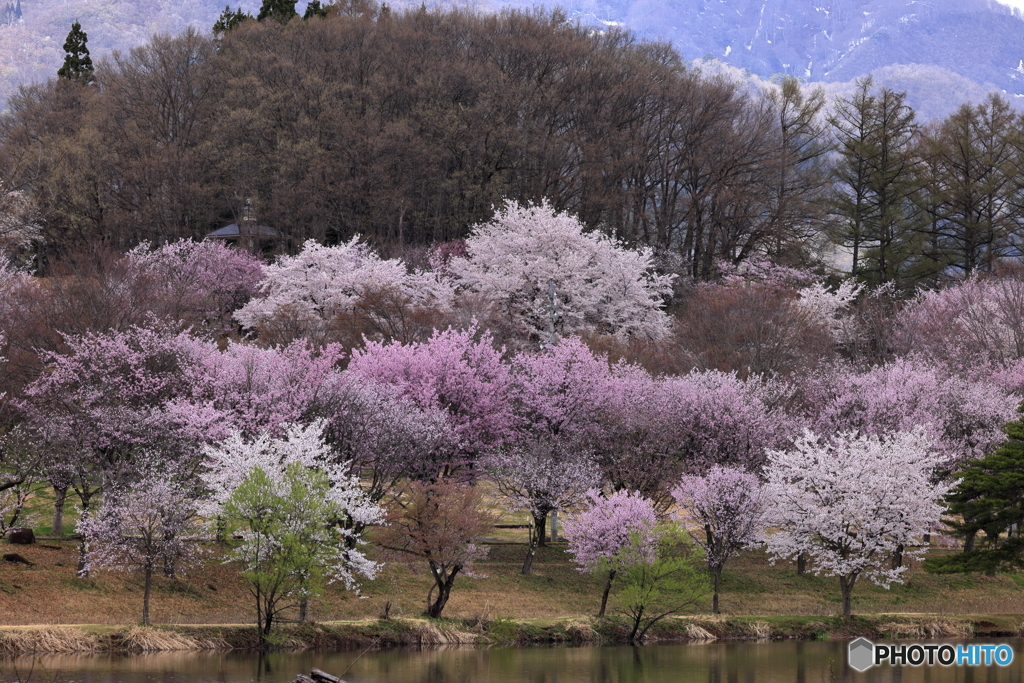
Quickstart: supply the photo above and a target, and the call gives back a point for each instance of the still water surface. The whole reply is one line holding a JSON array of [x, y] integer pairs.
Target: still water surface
[[768, 662]]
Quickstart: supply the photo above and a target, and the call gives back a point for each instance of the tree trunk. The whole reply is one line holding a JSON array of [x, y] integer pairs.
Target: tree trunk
[[714, 598], [303, 609], [540, 524], [636, 625], [801, 564], [846, 588], [528, 562], [444, 590], [607, 590], [60, 495], [897, 557], [147, 584], [969, 541]]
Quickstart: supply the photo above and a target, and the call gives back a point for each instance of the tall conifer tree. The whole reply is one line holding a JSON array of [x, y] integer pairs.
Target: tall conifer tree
[[278, 10], [77, 62]]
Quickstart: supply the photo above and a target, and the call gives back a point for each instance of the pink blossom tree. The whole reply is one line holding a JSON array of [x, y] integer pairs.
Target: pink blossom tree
[[611, 534], [560, 391], [973, 327], [261, 389], [727, 505], [964, 416], [542, 476], [458, 371], [853, 501], [201, 283], [135, 530], [548, 465], [600, 285], [118, 395], [655, 429], [384, 436]]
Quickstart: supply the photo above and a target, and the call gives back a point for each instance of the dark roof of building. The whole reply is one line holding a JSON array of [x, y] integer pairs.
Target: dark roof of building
[[232, 231]]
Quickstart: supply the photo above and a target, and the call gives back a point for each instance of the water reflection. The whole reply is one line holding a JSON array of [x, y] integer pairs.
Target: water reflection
[[768, 662]]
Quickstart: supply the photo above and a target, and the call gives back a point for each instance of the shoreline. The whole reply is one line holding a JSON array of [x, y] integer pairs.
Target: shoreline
[[382, 634]]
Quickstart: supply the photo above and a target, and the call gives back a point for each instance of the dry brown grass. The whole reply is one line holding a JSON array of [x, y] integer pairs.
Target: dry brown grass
[[929, 628], [433, 633], [48, 639], [759, 630], [697, 633], [148, 639], [582, 631]]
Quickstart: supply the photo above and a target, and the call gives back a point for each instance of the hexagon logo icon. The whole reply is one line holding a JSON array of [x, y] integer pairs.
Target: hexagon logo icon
[[861, 654]]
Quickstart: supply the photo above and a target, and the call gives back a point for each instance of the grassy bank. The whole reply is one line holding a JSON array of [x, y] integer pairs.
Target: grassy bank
[[497, 605], [387, 633]]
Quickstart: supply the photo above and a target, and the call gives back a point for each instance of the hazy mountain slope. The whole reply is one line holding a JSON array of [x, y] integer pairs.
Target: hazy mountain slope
[[834, 40], [32, 49], [943, 50]]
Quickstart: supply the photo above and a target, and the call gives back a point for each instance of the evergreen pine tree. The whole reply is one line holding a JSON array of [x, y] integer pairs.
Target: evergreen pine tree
[[17, 10], [988, 499], [315, 9], [875, 183], [229, 19], [278, 10], [77, 62]]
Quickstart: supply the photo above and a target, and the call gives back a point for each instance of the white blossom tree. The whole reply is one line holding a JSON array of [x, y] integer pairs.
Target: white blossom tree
[[299, 511], [137, 529], [306, 292], [20, 222], [853, 501], [599, 284]]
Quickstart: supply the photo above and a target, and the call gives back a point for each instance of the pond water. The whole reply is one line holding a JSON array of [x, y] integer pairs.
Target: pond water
[[767, 662]]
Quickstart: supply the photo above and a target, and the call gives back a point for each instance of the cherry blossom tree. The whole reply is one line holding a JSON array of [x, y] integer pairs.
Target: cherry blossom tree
[[202, 283], [304, 294], [613, 533], [727, 504], [384, 436], [971, 328], [541, 476], [119, 397], [964, 416], [20, 224], [560, 391], [557, 395], [658, 428], [262, 389], [137, 529], [291, 543], [440, 522], [301, 510], [458, 371], [230, 460], [21, 465], [599, 284], [853, 501]]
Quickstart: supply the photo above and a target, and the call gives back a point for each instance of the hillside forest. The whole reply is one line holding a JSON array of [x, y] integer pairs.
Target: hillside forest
[[409, 128], [515, 261]]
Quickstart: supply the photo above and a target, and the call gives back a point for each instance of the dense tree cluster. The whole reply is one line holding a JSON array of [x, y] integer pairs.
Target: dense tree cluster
[[411, 128], [152, 413]]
